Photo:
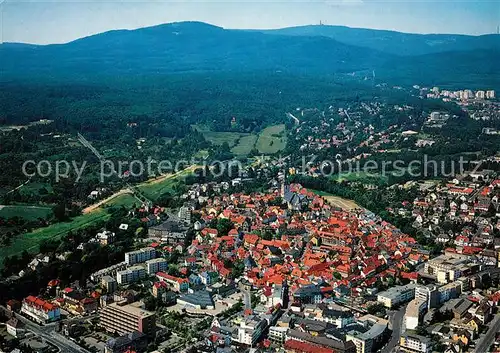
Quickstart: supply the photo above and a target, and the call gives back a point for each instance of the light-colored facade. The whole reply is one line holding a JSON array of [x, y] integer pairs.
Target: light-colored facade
[[397, 295], [415, 344], [139, 256], [277, 334], [40, 310], [130, 275], [109, 284], [250, 330], [156, 265], [122, 319], [447, 268], [414, 311]]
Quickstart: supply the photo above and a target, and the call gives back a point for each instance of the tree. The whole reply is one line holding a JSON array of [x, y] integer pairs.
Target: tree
[[60, 212], [224, 225]]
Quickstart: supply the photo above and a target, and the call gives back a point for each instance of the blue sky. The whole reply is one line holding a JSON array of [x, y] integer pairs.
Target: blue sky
[[53, 21]]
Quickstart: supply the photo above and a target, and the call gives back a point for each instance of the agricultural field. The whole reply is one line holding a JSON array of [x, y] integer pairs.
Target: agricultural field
[[272, 139], [27, 212]]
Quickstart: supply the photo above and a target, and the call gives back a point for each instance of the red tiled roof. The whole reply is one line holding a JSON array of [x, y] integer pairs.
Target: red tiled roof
[[304, 347]]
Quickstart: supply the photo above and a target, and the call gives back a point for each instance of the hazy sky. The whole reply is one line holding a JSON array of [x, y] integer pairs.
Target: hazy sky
[[58, 21]]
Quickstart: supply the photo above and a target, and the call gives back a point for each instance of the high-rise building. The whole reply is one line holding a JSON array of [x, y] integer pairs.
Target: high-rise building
[[490, 94], [122, 319]]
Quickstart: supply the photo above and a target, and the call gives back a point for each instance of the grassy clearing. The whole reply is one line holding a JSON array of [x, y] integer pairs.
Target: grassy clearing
[[337, 201], [245, 145], [218, 138], [31, 241], [27, 212], [272, 139], [35, 188], [155, 188], [125, 200]]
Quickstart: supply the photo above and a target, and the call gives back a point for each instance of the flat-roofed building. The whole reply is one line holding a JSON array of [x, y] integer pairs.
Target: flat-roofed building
[[130, 275], [109, 284], [141, 255], [415, 344], [156, 265], [414, 312], [122, 319], [448, 268], [368, 333], [397, 295]]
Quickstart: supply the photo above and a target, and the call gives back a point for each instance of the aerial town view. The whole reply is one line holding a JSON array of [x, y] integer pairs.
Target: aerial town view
[[231, 176]]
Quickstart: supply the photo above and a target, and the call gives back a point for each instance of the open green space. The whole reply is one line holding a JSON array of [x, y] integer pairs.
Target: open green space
[[31, 241], [125, 200], [272, 139], [27, 212], [35, 188], [244, 145]]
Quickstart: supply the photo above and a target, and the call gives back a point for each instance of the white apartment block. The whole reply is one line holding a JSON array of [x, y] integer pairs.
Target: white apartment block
[[139, 256], [397, 295], [130, 275], [156, 265]]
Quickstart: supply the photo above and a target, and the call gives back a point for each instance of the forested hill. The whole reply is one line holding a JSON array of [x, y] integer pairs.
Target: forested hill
[[198, 47], [189, 46], [396, 42]]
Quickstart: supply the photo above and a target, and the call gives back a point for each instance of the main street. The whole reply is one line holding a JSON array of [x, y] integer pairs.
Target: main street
[[396, 323], [487, 340], [48, 333]]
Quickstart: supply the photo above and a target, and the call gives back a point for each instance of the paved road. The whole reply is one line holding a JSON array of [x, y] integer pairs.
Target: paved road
[[396, 324], [48, 333], [487, 340]]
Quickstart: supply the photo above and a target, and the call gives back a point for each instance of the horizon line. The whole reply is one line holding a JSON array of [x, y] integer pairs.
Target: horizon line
[[320, 24]]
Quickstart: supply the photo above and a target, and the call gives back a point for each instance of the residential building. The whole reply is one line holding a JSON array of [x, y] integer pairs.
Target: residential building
[[132, 340], [122, 319], [178, 284], [156, 265], [414, 312], [109, 284], [139, 256], [15, 328], [251, 329], [397, 295], [415, 344], [277, 334], [130, 275], [40, 310], [106, 237], [368, 334], [185, 214]]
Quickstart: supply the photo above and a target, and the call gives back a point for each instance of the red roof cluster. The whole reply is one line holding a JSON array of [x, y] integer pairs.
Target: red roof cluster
[[39, 303]]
